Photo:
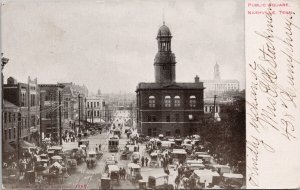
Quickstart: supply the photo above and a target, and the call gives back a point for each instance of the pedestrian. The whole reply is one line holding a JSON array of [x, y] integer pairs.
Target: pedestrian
[[124, 173], [146, 161], [120, 172], [167, 171], [142, 161], [177, 182]]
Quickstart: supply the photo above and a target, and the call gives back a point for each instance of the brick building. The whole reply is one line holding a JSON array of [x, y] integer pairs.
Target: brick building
[[50, 94], [11, 116], [166, 106], [26, 97]]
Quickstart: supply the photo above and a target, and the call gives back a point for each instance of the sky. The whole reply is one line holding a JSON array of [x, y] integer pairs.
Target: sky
[[111, 44]]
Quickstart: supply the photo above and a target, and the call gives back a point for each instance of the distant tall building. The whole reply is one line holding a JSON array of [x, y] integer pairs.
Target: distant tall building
[[95, 109], [220, 87], [166, 106]]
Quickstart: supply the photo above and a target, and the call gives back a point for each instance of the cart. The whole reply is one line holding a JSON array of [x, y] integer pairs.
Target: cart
[[134, 172]]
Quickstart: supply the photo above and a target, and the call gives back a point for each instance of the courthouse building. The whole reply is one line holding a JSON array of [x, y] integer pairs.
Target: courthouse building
[[165, 106], [224, 89]]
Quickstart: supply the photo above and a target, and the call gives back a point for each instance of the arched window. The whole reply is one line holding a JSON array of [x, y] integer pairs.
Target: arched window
[[192, 101], [151, 101], [177, 101], [167, 101]]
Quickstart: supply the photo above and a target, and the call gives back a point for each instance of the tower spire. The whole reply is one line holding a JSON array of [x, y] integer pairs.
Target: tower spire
[[163, 16]]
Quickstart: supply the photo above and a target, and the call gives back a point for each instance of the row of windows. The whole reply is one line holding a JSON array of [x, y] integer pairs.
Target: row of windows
[[96, 113], [153, 118], [93, 104], [10, 134], [10, 117], [210, 109], [177, 101]]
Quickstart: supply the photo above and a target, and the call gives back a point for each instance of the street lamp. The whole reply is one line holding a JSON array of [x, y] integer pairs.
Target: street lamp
[[4, 61]]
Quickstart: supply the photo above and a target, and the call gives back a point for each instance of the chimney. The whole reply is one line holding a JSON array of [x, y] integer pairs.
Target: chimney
[[197, 80], [11, 81]]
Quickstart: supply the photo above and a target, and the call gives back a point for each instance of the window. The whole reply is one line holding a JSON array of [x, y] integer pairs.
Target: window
[[14, 132], [33, 120], [177, 117], [88, 104], [167, 101], [191, 117], [153, 118], [5, 134], [98, 113], [23, 98], [168, 118], [154, 132], [9, 133], [149, 118], [151, 101], [149, 132], [5, 117], [95, 113], [98, 104], [177, 101], [88, 113], [192, 101], [168, 133], [9, 117], [32, 100], [94, 104]]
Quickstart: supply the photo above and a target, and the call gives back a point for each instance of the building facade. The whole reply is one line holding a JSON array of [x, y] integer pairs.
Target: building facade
[[11, 118], [26, 97], [51, 99], [166, 106], [95, 109], [222, 88]]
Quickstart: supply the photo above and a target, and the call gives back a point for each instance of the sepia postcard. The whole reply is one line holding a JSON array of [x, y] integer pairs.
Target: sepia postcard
[[146, 94]]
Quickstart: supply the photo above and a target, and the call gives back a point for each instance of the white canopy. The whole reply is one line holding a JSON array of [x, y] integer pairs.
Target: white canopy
[[179, 151], [194, 161], [92, 152], [232, 175], [206, 175], [133, 165], [56, 158], [113, 168]]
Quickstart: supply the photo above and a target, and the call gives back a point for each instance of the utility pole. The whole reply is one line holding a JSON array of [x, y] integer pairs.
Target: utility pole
[[215, 96], [51, 116], [59, 109], [41, 118], [18, 140], [85, 110], [92, 115], [79, 110]]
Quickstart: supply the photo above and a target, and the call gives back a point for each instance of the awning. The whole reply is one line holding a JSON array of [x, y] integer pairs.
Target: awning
[[8, 148], [25, 144]]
